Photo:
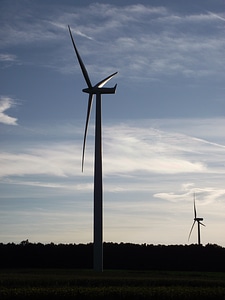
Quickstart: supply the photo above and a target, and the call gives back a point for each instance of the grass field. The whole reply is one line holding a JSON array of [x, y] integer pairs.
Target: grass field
[[86, 284]]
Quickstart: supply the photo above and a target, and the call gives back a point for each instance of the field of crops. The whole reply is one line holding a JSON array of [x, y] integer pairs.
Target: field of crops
[[85, 284]]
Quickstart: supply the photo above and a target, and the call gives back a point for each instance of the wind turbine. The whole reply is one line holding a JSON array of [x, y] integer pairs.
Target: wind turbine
[[198, 220], [97, 90]]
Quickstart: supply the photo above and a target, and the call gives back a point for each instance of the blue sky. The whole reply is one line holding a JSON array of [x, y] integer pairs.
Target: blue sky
[[163, 130]]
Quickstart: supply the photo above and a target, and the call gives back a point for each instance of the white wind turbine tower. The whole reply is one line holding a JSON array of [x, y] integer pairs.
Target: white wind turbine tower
[[97, 90], [198, 220]]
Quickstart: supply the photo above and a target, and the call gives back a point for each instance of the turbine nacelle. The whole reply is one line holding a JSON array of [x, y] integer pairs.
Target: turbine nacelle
[[198, 219], [97, 90]]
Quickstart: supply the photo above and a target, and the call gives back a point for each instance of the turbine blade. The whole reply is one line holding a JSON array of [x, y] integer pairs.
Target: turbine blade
[[104, 81], [191, 230], [86, 126], [202, 224], [83, 69], [195, 212]]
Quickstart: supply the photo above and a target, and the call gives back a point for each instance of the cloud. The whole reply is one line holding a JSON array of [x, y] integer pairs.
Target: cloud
[[161, 43], [61, 185], [132, 157], [216, 16], [161, 46], [58, 161], [7, 57], [138, 149], [5, 104], [205, 195], [78, 32]]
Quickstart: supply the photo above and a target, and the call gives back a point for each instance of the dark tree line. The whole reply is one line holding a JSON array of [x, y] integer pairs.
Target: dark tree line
[[116, 256]]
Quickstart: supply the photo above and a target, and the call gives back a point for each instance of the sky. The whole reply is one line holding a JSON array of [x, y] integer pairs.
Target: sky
[[163, 129]]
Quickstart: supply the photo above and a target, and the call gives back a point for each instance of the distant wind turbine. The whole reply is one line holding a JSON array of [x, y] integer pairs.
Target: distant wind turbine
[[198, 220], [97, 90]]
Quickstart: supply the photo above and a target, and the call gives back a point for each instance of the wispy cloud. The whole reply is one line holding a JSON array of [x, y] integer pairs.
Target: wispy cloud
[[162, 42], [7, 57], [218, 16], [151, 150], [206, 195], [78, 32], [5, 104], [51, 161], [133, 153], [54, 184], [74, 30], [8, 60]]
